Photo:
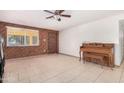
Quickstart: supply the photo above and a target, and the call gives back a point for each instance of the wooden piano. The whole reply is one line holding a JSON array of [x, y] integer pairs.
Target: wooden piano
[[101, 53]]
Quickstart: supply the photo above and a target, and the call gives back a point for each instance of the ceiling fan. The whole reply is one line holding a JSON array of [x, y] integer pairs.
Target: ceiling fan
[[57, 14]]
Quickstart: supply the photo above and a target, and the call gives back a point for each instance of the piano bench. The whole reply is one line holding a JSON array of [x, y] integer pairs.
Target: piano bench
[[97, 57]]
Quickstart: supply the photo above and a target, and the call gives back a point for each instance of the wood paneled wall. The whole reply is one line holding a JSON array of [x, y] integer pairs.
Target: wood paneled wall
[[24, 51]]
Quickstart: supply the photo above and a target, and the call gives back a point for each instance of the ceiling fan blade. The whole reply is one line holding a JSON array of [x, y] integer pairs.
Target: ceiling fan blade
[[60, 11], [65, 15], [49, 11], [49, 17]]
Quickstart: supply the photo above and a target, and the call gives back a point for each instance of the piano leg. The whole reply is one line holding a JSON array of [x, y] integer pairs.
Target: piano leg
[[80, 55], [110, 62]]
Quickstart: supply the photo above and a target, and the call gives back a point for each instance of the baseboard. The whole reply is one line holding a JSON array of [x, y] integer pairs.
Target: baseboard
[[68, 55]]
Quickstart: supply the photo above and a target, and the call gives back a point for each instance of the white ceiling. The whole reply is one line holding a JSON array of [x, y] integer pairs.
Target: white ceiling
[[37, 17]]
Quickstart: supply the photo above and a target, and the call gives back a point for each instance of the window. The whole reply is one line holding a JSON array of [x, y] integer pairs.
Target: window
[[22, 37], [34, 39], [15, 40], [27, 40]]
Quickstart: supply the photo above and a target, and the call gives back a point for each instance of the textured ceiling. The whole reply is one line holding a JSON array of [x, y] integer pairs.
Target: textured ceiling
[[37, 17]]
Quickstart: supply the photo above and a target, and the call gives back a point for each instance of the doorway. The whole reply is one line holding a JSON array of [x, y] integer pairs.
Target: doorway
[[52, 42]]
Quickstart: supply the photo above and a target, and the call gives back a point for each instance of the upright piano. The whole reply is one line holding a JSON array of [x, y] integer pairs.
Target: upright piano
[[91, 52]]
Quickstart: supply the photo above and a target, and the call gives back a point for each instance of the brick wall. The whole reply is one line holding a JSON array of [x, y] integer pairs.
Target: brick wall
[[21, 51]]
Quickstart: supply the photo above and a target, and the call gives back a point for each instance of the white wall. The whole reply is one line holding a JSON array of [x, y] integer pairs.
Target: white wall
[[105, 30], [121, 38]]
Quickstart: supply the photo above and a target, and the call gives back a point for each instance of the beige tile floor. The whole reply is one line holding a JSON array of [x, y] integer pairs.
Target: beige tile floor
[[57, 68]]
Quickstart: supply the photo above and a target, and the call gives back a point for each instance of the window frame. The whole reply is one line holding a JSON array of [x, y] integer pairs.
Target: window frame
[[25, 34]]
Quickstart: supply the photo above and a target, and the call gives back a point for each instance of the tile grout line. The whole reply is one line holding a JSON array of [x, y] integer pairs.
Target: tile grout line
[[122, 72], [98, 76], [78, 75], [62, 73], [59, 73]]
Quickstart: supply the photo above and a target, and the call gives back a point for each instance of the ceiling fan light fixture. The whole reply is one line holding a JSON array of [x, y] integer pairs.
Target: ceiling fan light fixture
[[57, 14], [57, 17]]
